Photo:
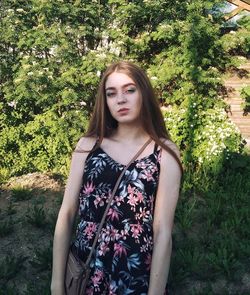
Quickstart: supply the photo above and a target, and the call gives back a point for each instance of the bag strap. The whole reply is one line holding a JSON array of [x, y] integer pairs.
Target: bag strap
[[112, 197]]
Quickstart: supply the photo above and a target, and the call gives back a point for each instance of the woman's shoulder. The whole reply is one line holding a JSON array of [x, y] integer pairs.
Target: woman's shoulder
[[85, 144], [171, 145], [171, 157]]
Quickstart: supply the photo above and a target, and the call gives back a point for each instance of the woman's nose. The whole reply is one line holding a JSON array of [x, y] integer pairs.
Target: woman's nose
[[121, 98]]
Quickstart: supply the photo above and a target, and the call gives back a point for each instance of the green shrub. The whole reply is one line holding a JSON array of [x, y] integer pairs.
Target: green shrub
[[43, 144], [245, 94], [237, 42], [4, 175], [214, 136]]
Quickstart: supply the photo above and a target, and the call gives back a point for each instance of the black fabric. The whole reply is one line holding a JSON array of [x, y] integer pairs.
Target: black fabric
[[122, 260]]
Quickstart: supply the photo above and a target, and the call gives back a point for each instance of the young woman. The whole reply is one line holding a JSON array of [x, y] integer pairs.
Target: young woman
[[133, 252]]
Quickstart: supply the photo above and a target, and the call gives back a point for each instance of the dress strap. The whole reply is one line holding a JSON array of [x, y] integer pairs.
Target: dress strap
[[155, 148], [96, 143], [80, 150]]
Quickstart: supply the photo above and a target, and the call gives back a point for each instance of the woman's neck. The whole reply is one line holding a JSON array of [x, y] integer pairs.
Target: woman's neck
[[128, 133]]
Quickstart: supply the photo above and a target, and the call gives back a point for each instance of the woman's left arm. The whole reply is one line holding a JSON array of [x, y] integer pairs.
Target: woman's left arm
[[166, 201]]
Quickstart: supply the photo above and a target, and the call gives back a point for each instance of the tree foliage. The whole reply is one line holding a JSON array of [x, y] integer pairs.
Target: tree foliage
[[53, 53]]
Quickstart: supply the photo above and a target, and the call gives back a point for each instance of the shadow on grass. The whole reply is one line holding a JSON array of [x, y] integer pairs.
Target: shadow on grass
[[211, 253]]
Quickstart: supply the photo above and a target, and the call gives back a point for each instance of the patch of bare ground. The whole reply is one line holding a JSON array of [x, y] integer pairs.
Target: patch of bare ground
[[32, 229]]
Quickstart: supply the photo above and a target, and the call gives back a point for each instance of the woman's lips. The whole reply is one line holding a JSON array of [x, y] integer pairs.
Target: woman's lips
[[123, 110]]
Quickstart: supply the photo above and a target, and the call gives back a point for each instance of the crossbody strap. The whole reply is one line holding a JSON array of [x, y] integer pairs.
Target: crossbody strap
[[111, 198]]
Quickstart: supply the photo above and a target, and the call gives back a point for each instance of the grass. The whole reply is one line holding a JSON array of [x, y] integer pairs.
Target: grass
[[211, 246], [42, 259], [20, 193], [11, 209], [7, 290], [212, 231], [43, 288], [10, 266], [37, 216], [6, 227]]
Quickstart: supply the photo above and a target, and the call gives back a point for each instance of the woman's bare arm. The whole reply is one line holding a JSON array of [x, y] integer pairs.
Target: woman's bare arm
[[66, 216], [166, 201]]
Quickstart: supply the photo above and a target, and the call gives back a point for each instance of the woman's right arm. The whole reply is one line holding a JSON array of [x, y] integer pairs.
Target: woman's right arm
[[66, 216]]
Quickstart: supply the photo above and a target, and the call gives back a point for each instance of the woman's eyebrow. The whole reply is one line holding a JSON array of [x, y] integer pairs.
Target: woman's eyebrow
[[110, 88], [123, 86], [128, 84]]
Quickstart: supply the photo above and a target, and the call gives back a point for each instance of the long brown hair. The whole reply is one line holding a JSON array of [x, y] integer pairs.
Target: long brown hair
[[102, 124]]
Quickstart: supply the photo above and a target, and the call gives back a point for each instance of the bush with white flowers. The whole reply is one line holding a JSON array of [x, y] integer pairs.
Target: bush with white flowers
[[214, 138]]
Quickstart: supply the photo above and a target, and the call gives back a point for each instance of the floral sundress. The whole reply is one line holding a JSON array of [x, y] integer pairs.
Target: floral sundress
[[121, 263]]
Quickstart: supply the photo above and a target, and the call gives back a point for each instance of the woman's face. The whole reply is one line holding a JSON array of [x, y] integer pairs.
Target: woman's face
[[123, 98]]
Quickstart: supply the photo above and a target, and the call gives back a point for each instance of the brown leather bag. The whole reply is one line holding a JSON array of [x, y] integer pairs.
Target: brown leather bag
[[76, 276], [77, 272]]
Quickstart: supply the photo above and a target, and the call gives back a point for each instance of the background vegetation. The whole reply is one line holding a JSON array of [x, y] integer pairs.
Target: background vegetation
[[52, 54]]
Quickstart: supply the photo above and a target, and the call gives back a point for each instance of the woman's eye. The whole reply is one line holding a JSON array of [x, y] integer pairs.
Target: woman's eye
[[130, 90], [110, 94]]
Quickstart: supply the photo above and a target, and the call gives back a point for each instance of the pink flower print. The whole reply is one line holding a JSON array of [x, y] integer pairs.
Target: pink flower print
[[99, 273], [124, 234], [148, 244], [147, 174], [132, 200], [96, 280], [141, 165], [148, 261], [118, 200], [131, 189], [108, 197], [143, 248], [103, 249], [88, 188], [99, 200], [114, 234], [89, 291], [119, 249], [136, 230], [113, 214], [151, 202], [139, 197], [90, 230], [112, 288], [107, 234], [143, 215]]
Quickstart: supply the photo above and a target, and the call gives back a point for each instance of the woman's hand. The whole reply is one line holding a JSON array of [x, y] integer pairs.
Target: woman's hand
[[57, 288]]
